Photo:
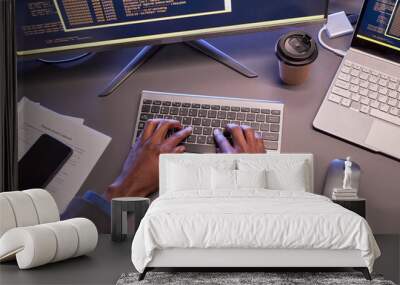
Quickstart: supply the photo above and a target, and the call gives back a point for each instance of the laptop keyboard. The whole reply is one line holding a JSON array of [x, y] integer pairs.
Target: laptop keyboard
[[368, 91], [205, 114]]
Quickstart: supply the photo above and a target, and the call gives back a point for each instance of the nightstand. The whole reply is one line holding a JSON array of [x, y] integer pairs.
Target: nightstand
[[120, 208], [358, 206]]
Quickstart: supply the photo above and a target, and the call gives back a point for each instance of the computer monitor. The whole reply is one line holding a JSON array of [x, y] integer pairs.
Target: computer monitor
[[378, 31], [48, 26], [58, 25]]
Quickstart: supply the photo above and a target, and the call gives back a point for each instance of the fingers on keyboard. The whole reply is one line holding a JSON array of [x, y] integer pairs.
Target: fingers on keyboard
[[206, 118]]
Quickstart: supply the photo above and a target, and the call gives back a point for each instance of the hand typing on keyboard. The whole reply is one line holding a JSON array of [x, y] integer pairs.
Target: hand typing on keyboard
[[139, 176], [205, 114], [244, 140]]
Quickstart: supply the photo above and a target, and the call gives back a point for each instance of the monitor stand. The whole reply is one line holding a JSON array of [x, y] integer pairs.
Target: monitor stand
[[64, 58], [148, 51]]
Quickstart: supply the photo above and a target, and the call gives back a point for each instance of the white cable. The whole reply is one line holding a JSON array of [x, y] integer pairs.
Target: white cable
[[338, 52]]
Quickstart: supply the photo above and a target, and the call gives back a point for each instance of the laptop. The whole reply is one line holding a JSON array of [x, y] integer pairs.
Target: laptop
[[362, 104]]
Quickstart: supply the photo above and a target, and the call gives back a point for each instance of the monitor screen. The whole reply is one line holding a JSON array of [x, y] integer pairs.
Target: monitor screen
[[58, 25], [379, 25]]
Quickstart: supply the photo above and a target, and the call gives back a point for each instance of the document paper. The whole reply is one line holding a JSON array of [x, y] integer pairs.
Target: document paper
[[87, 145]]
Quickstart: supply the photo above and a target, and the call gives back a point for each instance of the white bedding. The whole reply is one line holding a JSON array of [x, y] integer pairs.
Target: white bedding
[[250, 219]]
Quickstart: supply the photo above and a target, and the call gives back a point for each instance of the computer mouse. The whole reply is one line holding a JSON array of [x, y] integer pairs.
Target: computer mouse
[[335, 175]]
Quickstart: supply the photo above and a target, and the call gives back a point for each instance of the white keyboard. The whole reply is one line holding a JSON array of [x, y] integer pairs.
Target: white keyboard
[[367, 91], [207, 113]]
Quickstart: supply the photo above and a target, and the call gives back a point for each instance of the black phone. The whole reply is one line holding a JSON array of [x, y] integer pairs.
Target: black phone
[[42, 162]]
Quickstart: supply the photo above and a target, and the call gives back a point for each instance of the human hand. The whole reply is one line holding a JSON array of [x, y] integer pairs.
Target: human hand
[[244, 140], [139, 177]]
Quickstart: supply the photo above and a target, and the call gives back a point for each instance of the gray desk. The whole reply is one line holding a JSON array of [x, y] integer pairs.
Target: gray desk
[[106, 264], [72, 89]]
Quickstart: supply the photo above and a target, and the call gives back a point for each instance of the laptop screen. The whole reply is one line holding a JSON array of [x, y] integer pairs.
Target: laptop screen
[[378, 29]]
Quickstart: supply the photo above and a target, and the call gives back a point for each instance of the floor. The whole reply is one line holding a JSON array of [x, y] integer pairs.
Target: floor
[[110, 260], [389, 262]]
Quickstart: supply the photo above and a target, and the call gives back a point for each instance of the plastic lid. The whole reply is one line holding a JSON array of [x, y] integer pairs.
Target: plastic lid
[[296, 48]]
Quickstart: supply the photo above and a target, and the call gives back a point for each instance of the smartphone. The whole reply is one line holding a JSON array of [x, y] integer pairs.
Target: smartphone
[[42, 162]]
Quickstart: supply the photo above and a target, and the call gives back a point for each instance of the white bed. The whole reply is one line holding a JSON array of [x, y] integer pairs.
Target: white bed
[[226, 226]]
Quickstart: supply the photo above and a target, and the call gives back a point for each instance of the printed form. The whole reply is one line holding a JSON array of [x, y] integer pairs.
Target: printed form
[[87, 144]]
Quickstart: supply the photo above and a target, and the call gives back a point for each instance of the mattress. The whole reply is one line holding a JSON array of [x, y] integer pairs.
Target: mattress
[[250, 219]]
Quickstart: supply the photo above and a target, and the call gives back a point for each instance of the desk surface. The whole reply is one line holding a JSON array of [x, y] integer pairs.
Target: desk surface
[[106, 264], [72, 89]]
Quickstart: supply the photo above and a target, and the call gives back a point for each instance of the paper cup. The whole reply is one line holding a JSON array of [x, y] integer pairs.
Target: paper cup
[[296, 51]]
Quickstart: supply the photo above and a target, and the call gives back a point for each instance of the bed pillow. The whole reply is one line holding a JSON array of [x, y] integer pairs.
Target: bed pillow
[[281, 174], [251, 178], [223, 179], [288, 177], [182, 178]]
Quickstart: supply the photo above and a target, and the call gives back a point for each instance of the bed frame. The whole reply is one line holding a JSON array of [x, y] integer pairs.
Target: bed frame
[[245, 259], [242, 259]]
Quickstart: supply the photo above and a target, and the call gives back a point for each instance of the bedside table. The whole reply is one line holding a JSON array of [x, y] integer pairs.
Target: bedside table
[[357, 206], [120, 208]]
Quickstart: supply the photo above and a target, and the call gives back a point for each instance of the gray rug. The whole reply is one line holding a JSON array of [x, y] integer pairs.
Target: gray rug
[[244, 278]]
